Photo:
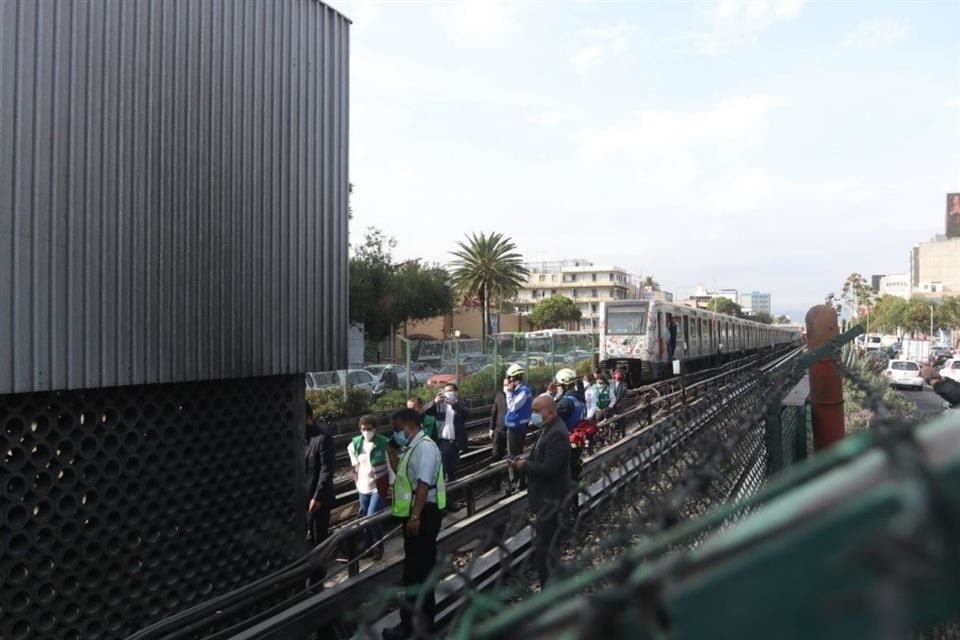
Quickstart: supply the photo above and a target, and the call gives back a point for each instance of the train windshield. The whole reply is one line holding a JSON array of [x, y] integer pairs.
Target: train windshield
[[629, 321]]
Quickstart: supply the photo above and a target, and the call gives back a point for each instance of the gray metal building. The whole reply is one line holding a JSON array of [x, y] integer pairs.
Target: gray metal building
[[173, 191]]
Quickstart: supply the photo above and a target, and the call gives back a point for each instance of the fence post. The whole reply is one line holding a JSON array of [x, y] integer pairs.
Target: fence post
[[826, 387], [496, 366]]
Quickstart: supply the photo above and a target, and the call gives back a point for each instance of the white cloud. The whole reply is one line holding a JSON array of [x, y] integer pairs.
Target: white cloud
[[953, 102], [878, 32], [600, 45], [738, 23], [479, 23], [554, 117], [732, 119]]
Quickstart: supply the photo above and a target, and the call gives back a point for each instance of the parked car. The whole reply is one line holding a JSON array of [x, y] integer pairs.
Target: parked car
[[951, 369], [332, 379], [448, 374], [939, 355], [904, 373]]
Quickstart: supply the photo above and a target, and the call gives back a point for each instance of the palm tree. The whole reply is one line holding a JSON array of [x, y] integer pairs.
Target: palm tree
[[488, 266], [650, 284]]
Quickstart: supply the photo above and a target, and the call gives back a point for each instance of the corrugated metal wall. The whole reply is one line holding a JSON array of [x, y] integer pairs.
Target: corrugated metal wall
[[173, 190]]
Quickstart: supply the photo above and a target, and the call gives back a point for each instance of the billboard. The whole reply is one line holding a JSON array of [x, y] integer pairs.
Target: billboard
[[953, 215]]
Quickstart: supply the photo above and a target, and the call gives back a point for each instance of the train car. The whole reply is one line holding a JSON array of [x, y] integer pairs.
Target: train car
[[635, 338]]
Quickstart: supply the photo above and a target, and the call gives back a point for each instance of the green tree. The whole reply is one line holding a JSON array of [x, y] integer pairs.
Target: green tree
[[832, 301], [856, 293], [489, 267], [725, 306], [552, 312], [384, 296], [650, 284], [781, 319], [948, 312], [762, 317]]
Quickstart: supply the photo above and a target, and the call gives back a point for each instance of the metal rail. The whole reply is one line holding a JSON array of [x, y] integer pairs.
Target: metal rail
[[207, 614], [296, 619]]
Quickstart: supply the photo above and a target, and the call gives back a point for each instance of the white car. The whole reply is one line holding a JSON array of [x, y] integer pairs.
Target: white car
[[951, 369], [332, 379], [904, 373]]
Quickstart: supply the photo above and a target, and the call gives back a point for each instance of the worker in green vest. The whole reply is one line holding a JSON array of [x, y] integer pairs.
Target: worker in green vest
[[428, 424], [419, 496]]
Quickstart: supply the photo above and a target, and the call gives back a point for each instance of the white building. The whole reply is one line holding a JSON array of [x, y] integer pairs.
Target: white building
[[895, 284], [755, 302], [583, 282]]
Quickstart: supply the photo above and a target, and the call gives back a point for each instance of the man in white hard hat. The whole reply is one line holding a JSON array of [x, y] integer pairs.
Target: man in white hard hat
[[517, 420]]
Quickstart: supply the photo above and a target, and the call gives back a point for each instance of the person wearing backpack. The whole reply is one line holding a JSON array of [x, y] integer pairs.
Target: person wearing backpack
[[371, 476]]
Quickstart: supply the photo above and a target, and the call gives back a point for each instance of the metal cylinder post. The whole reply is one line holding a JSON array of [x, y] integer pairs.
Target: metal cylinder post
[[826, 386]]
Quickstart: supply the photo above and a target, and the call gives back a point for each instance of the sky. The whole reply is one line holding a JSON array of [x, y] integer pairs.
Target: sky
[[760, 145]]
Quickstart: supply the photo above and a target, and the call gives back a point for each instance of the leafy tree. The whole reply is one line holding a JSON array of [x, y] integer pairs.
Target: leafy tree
[[781, 319], [554, 311], [650, 284], [832, 301], [763, 317], [725, 306], [948, 312], [384, 295], [857, 293], [489, 267]]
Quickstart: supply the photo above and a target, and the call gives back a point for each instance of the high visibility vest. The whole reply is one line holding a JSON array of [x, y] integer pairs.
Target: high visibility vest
[[403, 489], [603, 396]]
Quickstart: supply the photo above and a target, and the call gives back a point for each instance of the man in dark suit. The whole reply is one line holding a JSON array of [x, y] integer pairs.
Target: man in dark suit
[[548, 482], [451, 417], [319, 461]]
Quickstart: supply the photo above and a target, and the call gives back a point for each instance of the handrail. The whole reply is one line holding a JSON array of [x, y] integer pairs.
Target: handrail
[[313, 560]]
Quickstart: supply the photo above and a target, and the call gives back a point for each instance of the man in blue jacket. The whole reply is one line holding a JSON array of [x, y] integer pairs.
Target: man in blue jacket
[[517, 420]]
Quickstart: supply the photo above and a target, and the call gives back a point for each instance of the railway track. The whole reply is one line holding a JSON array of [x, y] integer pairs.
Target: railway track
[[282, 615]]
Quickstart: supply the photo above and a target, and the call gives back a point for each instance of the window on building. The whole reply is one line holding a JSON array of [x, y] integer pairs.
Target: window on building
[[593, 308], [575, 292], [553, 292], [594, 293], [611, 277], [542, 277], [594, 276]]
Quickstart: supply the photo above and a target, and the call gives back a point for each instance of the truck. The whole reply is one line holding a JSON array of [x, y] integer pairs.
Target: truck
[[915, 350]]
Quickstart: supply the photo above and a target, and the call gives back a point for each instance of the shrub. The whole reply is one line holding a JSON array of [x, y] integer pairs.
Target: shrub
[[398, 399], [329, 404]]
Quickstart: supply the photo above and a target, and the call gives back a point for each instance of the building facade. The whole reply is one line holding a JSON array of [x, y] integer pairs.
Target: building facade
[[895, 284], [755, 302], [583, 282], [936, 262]]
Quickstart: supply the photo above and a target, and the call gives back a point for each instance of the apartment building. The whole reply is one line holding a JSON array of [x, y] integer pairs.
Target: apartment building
[[582, 281]]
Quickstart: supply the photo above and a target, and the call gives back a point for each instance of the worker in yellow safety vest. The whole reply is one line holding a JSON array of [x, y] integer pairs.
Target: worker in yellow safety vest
[[419, 496]]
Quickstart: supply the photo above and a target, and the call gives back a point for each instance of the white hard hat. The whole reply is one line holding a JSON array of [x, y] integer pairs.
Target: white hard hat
[[514, 370], [566, 377]]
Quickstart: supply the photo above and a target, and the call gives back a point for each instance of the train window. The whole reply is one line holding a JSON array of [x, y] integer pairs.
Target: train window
[[626, 322], [686, 332]]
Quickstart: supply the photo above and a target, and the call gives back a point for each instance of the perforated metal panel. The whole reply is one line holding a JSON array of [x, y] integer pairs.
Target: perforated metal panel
[[120, 506]]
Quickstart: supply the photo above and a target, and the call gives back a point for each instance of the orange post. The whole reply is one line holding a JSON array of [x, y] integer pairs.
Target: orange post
[[826, 386]]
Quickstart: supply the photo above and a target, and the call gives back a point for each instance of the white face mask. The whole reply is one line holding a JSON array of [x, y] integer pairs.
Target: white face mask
[[450, 395], [369, 435]]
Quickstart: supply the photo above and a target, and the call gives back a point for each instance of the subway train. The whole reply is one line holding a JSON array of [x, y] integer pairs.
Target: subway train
[[635, 338]]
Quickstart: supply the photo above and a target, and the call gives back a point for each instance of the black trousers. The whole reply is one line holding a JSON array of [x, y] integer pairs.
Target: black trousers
[[546, 549], [498, 445], [419, 558], [318, 527], [450, 457], [515, 441]]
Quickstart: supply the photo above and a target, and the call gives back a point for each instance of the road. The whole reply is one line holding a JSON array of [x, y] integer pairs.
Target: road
[[928, 402]]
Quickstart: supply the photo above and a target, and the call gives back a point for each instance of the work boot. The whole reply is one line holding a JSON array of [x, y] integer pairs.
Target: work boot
[[377, 554]]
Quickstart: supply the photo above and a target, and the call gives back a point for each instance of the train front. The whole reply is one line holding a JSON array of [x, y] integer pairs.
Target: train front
[[626, 342]]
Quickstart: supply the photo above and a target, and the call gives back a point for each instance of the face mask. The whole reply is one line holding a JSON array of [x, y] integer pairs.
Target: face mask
[[506, 389], [450, 395], [536, 419], [400, 438], [369, 435]]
